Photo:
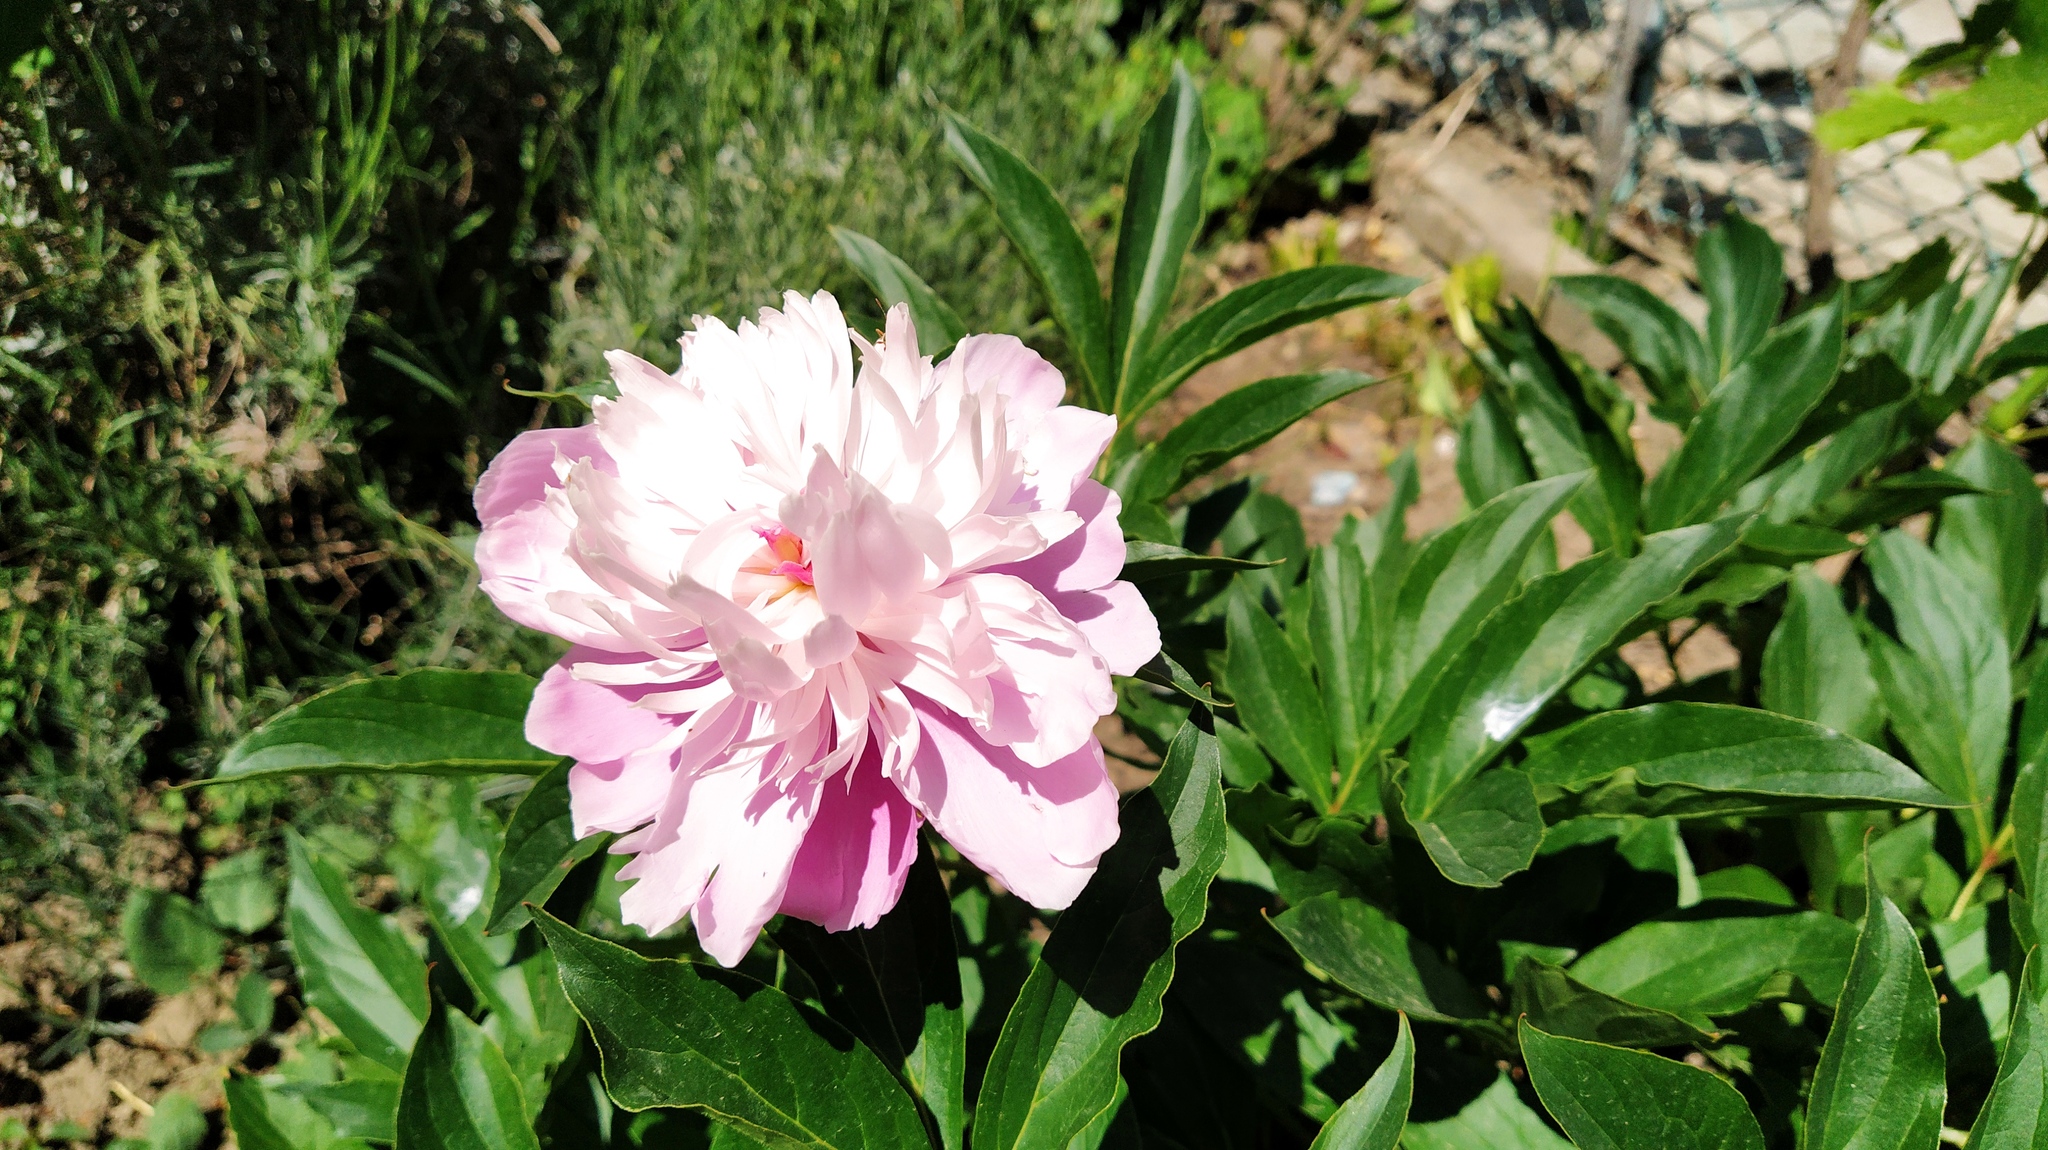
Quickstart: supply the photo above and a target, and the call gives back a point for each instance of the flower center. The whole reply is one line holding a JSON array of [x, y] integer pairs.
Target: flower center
[[786, 553]]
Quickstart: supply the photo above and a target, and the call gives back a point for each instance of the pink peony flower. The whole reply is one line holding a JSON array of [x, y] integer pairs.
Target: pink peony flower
[[812, 608]]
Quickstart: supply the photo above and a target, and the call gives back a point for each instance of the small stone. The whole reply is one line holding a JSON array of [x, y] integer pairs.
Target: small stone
[[1332, 488]]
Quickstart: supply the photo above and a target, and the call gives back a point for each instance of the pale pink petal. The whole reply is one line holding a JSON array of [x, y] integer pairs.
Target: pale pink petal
[[851, 867], [720, 853], [591, 721], [1039, 830], [1086, 559], [523, 564], [521, 474], [622, 794], [1023, 377], [1060, 450], [1117, 621]]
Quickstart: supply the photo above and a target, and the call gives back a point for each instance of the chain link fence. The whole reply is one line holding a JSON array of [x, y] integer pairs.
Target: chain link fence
[[1722, 97]]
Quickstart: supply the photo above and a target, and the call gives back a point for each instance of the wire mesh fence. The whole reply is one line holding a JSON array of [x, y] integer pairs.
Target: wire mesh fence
[[1722, 100]]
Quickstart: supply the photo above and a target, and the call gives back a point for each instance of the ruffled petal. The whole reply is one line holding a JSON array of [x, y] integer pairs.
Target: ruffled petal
[[1084, 559], [721, 853], [851, 868], [593, 722], [1039, 830], [522, 473], [1117, 621]]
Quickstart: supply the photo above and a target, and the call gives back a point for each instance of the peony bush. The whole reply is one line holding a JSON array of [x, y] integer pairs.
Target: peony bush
[[815, 844]]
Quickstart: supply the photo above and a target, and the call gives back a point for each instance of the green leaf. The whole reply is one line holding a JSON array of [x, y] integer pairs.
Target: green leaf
[[239, 892], [896, 985], [539, 850], [1756, 409], [1037, 224], [1949, 689], [1145, 562], [1162, 211], [2029, 813], [2008, 100], [688, 1034], [249, 1116], [1813, 664], [1236, 423], [1486, 829], [1490, 456], [1276, 699], [1997, 541], [1369, 954], [428, 722], [2025, 350], [1881, 1076], [1456, 579], [364, 1108], [1496, 1120], [1536, 645], [1612, 1099], [1102, 976], [1550, 998], [939, 327], [168, 942], [2015, 1116], [356, 967], [1373, 1118], [1164, 671], [1568, 426], [1734, 585], [1742, 274], [1341, 636], [177, 1124], [1664, 349], [1712, 962], [1706, 759], [459, 1093], [1894, 497], [1253, 312]]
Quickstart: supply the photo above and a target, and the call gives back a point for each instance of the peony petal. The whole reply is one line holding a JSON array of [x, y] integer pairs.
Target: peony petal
[[851, 868], [622, 794], [721, 853], [522, 473], [1038, 830], [591, 721], [1085, 559], [1031, 386], [1060, 450], [1117, 621]]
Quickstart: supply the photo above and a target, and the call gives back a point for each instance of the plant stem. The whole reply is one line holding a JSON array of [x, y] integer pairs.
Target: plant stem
[[1994, 855]]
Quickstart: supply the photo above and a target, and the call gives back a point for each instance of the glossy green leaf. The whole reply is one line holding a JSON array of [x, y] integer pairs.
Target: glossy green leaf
[[1162, 211], [167, 941], [1101, 978], [1496, 1120], [1815, 668], [1372, 1119], [1485, 829], [1885, 501], [1881, 1076], [1701, 759], [1454, 581], [1742, 274], [1790, 544], [2025, 350], [1371, 955], [1863, 386], [1038, 227], [1664, 348], [1536, 645], [1568, 427], [459, 1094], [356, 967], [1997, 541], [688, 1034], [249, 1116], [239, 892], [1341, 636], [939, 327], [896, 985], [365, 1108], [1607, 1098], [2015, 1116], [1560, 1004], [429, 722], [1949, 688], [1276, 699], [1165, 671], [1491, 459], [1236, 423], [2029, 808], [1145, 562], [1734, 585], [540, 848], [1714, 961], [1756, 409], [1253, 312]]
